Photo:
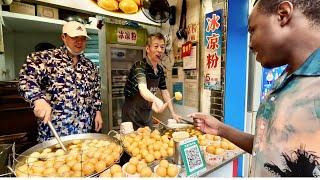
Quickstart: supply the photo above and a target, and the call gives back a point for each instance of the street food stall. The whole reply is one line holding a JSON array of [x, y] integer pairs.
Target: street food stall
[[152, 154], [170, 150]]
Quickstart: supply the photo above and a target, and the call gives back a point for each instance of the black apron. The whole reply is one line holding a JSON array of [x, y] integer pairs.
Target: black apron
[[137, 110]]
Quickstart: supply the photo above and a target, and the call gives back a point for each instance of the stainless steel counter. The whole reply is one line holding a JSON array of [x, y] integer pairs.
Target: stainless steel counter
[[210, 169]]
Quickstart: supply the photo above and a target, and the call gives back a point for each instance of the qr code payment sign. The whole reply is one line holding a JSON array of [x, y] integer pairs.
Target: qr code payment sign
[[193, 157]]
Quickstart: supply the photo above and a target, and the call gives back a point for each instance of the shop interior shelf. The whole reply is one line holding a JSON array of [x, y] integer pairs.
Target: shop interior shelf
[[26, 23]]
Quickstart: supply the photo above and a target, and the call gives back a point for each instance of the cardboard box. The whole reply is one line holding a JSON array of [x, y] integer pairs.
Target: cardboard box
[[49, 12], [23, 8]]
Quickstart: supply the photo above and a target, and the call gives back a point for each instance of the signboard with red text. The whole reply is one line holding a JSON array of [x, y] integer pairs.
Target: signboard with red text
[[212, 42]]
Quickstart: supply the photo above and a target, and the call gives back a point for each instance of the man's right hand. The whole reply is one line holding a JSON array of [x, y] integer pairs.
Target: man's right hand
[[42, 110], [206, 123]]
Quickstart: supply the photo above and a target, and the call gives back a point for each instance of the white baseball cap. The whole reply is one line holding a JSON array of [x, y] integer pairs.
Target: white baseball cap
[[74, 28]]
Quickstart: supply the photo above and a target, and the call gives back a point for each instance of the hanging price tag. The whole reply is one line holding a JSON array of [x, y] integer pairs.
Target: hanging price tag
[[192, 157]]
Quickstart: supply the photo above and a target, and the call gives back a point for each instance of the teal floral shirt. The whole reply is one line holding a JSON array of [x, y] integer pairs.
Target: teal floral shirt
[[287, 140]]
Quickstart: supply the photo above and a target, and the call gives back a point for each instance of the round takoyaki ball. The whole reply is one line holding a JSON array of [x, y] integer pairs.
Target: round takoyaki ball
[[76, 167], [23, 171], [38, 167], [108, 159], [172, 171], [115, 168], [145, 172], [100, 166], [49, 172], [87, 168], [118, 174], [71, 163], [76, 174], [59, 152], [140, 166], [105, 174], [49, 163], [58, 164]]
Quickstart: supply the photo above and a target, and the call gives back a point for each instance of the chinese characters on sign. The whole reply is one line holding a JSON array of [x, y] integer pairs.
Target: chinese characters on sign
[[127, 36], [189, 55], [212, 55], [193, 32]]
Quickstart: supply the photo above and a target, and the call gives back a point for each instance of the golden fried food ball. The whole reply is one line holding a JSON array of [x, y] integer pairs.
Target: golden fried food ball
[[50, 155], [105, 174], [100, 166], [135, 151], [171, 143], [46, 150], [139, 156], [38, 167], [156, 146], [161, 171], [131, 169], [117, 149], [49, 163], [59, 152], [115, 168], [93, 160], [61, 159], [49, 172], [178, 96], [77, 166], [63, 169], [172, 171], [76, 174], [224, 145], [170, 151], [211, 149], [231, 146], [142, 145], [157, 155], [219, 151], [108, 160], [140, 165], [134, 160], [107, 150], [164, 163], [145, 172], [71, 157], [87, 168], [119, 174], [58, 164], [163, 153], [71, 163], [150, 147], [202, 142], [144, 152], [115, 156], [149, 158]]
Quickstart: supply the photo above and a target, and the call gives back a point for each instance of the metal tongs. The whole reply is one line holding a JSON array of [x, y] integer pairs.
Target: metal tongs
[[56, 136], [187, 120], [166, 126]]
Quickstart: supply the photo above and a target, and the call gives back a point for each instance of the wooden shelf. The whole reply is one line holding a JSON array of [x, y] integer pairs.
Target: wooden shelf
[[26, 23]]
